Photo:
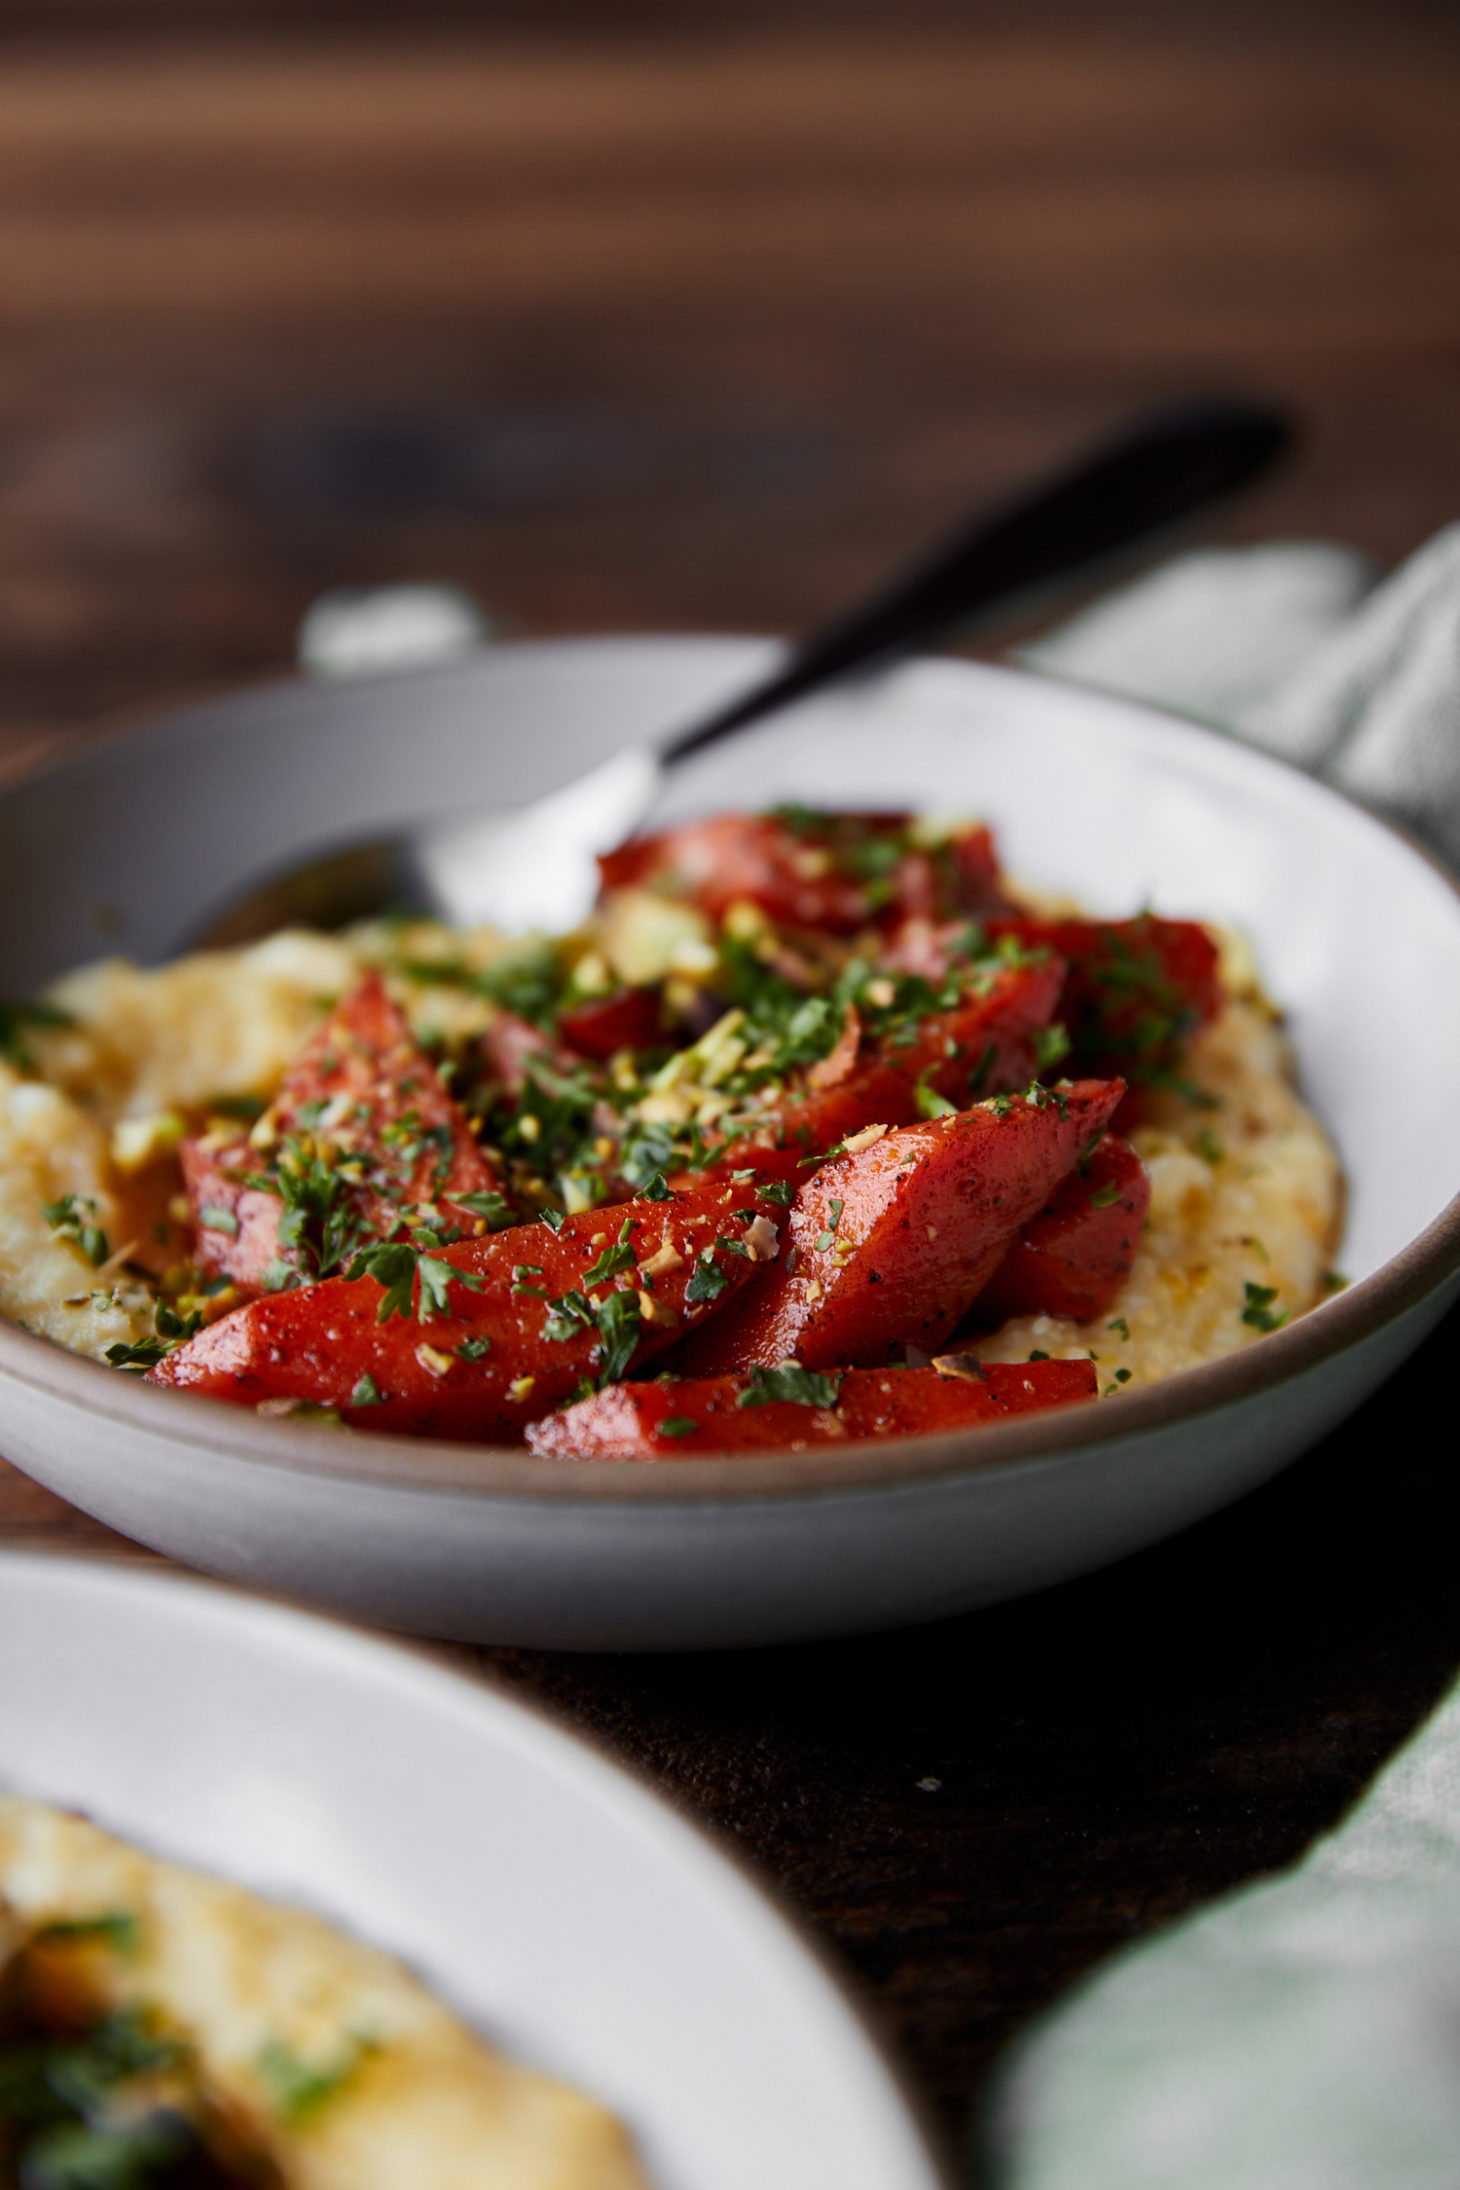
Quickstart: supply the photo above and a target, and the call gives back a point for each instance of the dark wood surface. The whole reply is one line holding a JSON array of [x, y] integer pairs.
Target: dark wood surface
[[654, 332]]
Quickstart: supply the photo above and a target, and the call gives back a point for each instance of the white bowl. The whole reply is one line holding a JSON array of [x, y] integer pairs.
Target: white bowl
[[560, 1906], [1358, 935]]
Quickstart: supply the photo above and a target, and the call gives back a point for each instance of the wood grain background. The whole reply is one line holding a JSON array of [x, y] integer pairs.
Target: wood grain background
[[697, 320]]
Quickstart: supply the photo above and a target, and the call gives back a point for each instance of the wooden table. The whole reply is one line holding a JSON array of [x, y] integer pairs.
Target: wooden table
[[648, 334]]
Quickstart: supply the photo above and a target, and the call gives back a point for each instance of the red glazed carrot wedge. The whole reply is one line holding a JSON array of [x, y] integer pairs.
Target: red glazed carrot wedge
[[1135, 990], [893, 1242], [492, 1332], [984, 1045], [832, 872], [664, 1421], [804, 1123], [362, 1130], [1073, 1258]]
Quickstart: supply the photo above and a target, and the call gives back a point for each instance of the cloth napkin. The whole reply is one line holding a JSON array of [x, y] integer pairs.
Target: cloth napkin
[[1297, 648], [1302, 2033]]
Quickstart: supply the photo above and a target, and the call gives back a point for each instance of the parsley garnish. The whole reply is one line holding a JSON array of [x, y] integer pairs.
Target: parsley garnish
[[788, 1380], [566, 1316], [529, 983], [678, 1425], [245, 1108], [707, 1283], [366, 1392], [117, 1929], [619, 1326], [779, 1191], [172, 1330], [297, 2090], [14, 1018], [1104, 1197], [474, 1349], [319, 1220], [553, 1122], [656, 1187], [213, 1218], [495, 1208], [73, 1217], [620, 1256], [1258, 1311], [1051, 1045], [396, 1266]]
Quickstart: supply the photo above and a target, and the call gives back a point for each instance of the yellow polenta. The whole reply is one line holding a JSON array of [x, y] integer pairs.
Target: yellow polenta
[[321, 2057]]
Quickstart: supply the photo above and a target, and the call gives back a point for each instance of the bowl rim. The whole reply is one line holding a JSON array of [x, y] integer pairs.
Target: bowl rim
[[448, 1468], [443, 1666]]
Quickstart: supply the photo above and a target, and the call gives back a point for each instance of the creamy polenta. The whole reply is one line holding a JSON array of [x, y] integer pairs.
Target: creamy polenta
[[186, 2030]]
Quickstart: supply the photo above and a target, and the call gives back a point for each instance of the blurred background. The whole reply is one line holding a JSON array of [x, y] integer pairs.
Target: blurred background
[[634, 315]]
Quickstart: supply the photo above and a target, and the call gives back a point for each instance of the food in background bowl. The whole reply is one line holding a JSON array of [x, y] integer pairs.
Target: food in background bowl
[[818, 1122], [166, 2028]]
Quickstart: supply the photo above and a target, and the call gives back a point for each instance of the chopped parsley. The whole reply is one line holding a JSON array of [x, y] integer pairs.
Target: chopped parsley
[[321, 1222], [620, 1256], [171, 1330], [474, 1349], [71, 2123], [529, 983], [779, 1191], [14, 1019], [567, 1316], [619, 1328], [553, 1122], [73, 1217], [1106, 1196], [677, 1425], [396, 1266], [366, 1392], [707, 1283], [1051, 1045], [117, 1929], [494, 1209], [789, 1381], [297, 2090], [1258, 1311]]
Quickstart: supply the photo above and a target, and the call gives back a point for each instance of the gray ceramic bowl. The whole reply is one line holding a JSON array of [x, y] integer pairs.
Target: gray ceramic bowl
[[1358, 935]]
